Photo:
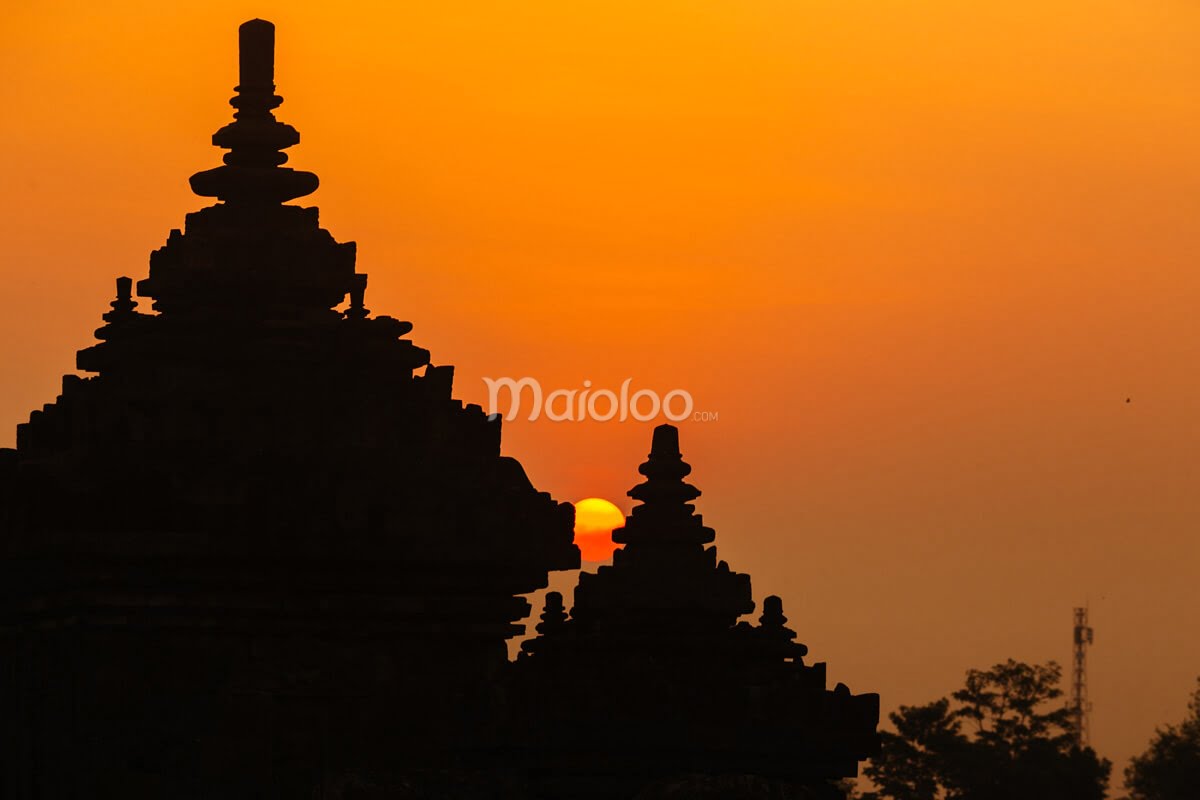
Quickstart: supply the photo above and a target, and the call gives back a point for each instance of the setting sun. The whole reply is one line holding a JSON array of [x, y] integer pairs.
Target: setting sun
[[595, 520]]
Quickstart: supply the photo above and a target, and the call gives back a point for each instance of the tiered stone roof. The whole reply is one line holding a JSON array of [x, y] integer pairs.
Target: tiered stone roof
[[261, 551]]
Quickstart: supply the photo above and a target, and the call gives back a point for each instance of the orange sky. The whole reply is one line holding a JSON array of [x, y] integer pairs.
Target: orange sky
[[914, 255]]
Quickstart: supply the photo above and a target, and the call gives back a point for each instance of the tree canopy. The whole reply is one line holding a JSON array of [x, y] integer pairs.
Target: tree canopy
[[1001, 737], [1170, 767]]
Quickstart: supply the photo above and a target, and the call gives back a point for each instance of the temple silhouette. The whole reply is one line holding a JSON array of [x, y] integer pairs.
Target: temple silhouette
[[262, 552]]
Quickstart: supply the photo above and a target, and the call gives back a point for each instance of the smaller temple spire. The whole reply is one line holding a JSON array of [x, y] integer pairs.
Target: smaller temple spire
[[666, 513], [358, 293], [253, 171], [772, 616], [773, 627], [123, 307], [666, 582], [554, 624], [554, 615]]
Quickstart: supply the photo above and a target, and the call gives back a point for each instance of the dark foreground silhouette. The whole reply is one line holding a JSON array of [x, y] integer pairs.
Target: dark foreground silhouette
[[1169, 769], [1005, 736], [257, 555]]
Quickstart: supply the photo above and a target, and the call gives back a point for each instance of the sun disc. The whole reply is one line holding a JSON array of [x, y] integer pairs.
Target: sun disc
[[595, 520]]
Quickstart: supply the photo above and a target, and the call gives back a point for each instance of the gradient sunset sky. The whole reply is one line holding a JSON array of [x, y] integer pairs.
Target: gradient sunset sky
[[915, 255]]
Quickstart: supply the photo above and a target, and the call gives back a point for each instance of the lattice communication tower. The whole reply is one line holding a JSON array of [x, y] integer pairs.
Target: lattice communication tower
[[1081, 707]]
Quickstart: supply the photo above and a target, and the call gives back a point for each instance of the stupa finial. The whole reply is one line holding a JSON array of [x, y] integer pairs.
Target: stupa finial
[[665, 470], [253, 170], [665, 515], [256, 60]]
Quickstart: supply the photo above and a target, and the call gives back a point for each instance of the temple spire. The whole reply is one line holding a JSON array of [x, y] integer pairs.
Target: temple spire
[[666, 583], [253, 171], [254, 256]]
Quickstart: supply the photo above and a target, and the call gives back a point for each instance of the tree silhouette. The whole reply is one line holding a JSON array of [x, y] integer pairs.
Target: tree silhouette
[[1001, 737], [1170, 767]]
